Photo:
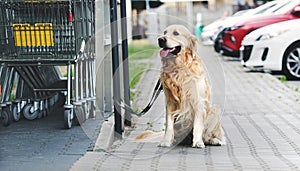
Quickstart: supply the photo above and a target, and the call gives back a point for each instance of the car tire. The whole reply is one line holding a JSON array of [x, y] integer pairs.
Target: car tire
[[217, 45], [291, 62]]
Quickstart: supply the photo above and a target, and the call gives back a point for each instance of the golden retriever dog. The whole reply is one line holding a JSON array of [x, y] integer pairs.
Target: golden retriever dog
[[187, 93]]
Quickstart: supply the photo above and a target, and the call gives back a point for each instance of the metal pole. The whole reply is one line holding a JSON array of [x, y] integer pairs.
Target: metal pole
[[115, 66], [125, 61], [69, 85]]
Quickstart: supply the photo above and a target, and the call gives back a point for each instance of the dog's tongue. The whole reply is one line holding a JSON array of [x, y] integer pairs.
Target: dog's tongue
[[164, 52]]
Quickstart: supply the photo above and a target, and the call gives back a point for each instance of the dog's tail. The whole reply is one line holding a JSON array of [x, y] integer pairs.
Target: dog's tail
[[150, 136], [213, 118], [213, 128]]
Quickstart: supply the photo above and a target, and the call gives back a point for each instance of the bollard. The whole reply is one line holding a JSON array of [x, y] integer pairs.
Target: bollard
[[199, 26]]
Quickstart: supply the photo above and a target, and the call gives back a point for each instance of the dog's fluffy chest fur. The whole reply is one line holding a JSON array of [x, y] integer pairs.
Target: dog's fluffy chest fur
[[183, 81]]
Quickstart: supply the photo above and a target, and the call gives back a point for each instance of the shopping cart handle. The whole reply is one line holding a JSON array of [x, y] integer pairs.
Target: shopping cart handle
[[43, 24], [21, 25]]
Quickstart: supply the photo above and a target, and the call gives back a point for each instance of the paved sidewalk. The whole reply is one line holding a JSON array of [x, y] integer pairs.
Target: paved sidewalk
[[261, 119]]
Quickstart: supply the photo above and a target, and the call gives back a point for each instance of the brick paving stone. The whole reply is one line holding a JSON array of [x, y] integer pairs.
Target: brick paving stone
[[260, 119]]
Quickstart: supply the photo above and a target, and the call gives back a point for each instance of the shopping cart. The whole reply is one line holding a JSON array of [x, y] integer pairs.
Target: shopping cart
[[37, 37]]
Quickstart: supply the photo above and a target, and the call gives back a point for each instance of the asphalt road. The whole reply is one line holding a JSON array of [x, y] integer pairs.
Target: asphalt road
[[44, 144]]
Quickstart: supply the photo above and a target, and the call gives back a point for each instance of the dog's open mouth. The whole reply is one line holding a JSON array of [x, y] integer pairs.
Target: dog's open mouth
[[167, 52]]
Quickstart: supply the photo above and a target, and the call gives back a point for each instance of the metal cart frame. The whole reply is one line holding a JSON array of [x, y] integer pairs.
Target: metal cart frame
[[36, 36]]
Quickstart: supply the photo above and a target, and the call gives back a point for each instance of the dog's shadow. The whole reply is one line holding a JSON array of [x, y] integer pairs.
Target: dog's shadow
[[188, 141]]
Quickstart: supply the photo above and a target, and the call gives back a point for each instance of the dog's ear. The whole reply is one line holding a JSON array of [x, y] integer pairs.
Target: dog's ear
[[193, 44]]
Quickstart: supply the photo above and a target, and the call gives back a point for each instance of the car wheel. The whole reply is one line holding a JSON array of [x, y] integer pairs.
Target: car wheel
[[217, 45], [291, 62]]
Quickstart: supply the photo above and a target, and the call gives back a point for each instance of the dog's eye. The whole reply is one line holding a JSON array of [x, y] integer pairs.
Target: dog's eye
[[165, 32], [175, 33]]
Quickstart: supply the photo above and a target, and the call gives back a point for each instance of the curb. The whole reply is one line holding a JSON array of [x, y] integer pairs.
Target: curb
[[106, 136]]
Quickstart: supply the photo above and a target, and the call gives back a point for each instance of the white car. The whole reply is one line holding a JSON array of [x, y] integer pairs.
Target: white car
[[275, 47], [210, 31]]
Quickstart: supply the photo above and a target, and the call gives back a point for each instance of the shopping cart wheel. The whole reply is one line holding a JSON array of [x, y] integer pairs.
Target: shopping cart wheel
[[6, 116], [40, 114], [29, 113], [68, 118], [16, 115]]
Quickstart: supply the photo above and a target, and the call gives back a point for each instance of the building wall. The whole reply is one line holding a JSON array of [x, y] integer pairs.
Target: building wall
[[213, 4]]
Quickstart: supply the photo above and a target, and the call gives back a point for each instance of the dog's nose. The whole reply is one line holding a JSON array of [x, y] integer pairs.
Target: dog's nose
[[162, 42]]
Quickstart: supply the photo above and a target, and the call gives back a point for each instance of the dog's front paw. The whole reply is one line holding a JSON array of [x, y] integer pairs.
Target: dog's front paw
[[198, 145], [216, 141], [165, 143]]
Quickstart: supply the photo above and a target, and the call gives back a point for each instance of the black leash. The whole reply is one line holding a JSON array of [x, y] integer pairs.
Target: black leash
[[157, 89]]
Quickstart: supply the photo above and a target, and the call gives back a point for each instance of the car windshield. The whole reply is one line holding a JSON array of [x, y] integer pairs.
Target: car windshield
[[261, 9], [265, 8], [281, 4], [286, 7], [240, 13]]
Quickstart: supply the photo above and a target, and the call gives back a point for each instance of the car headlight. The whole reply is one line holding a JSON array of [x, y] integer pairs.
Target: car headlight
[[232, 38], [270, 35]]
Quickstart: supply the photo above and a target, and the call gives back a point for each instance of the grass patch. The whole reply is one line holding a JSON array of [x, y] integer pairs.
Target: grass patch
[[135, 73], [141, 49], [64, 71], [138, 51], [282, 79], [66, 74]]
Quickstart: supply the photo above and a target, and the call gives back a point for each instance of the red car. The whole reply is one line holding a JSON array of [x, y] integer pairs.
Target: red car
[[232, 37]]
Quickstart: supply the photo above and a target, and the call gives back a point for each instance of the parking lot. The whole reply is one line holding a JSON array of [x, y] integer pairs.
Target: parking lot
[[260, 38]]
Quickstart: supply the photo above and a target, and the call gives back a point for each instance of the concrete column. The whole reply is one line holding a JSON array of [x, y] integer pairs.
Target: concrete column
[[162, 19], [152, 26], [107, 71], [189, 15], [99, 49], [212, 5]]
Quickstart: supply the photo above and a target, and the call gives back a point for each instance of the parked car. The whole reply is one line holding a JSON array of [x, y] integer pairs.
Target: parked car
[[275, 47], [210, 31], [273, 10], [230, 39]]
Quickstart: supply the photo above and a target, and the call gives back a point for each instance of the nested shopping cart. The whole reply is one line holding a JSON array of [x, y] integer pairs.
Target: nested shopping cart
[[37, 39]]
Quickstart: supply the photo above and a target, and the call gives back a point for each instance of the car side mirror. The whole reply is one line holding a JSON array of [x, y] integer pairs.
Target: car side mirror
[[296, 11]]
